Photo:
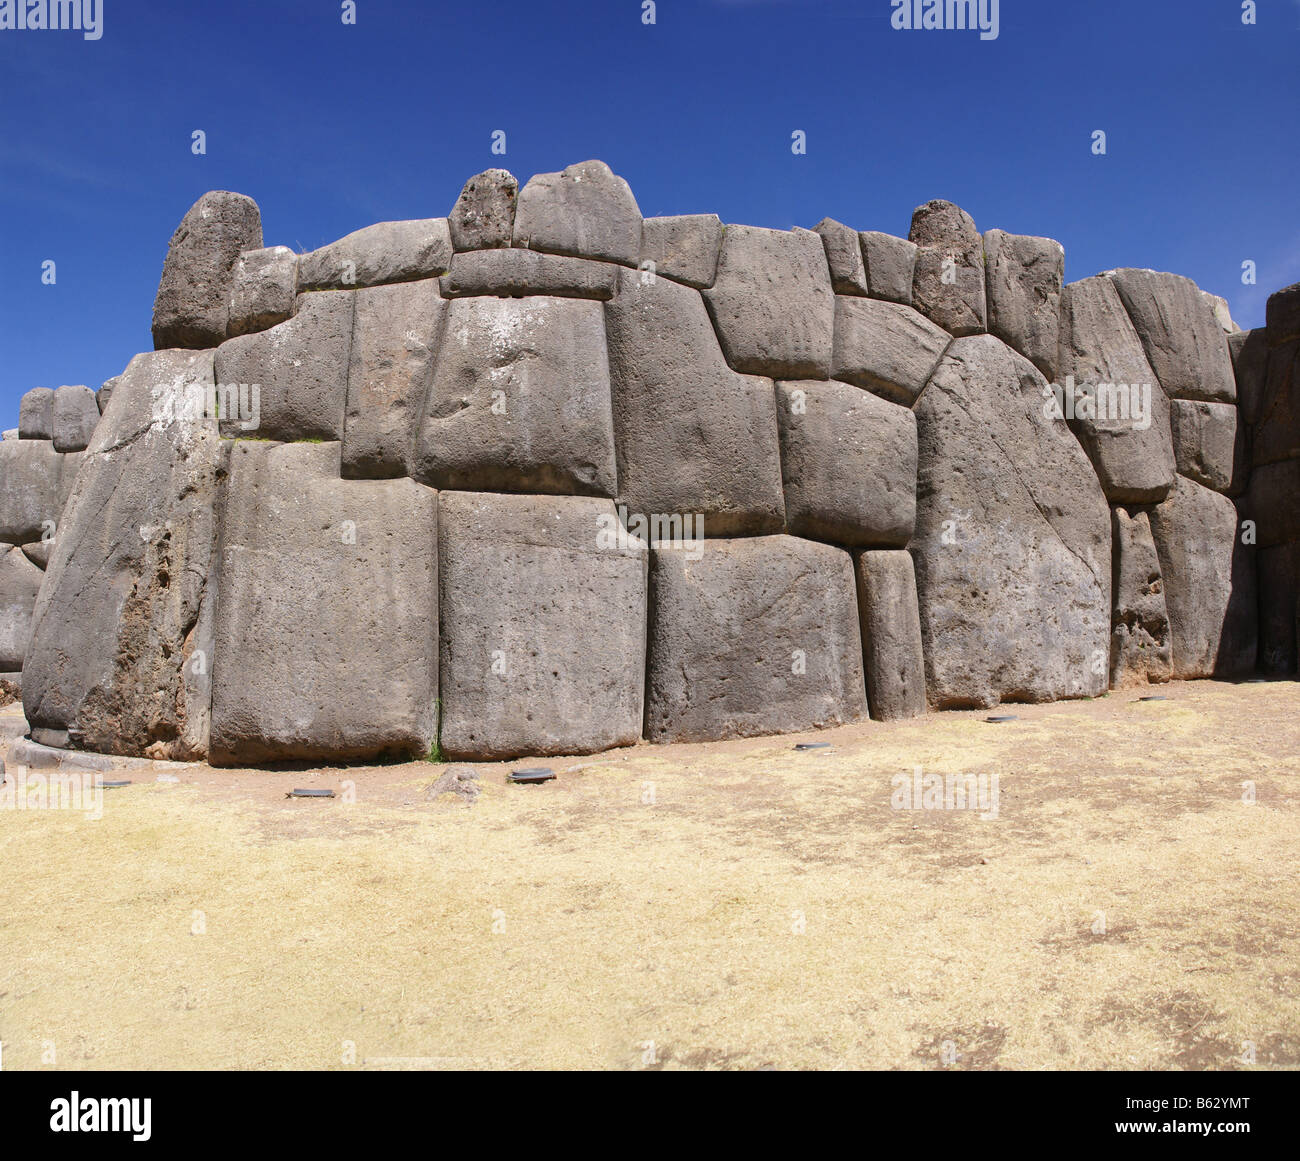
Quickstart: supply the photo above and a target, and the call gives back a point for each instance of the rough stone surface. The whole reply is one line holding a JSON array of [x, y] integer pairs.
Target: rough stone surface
[[758, 636], [75, 416], [885, 347], [36, 414], [1221, 311], [265, 286], [115, 628], [385, 252], [520, 400], [891, 635], [1209, 582], [586, 211], [1205, 437], [1135, 464], [844, 256], [1282, 315], [39, 552], [515, 273], [691, 435], [1184, 343], [105, 394], [525, 583], [1023, 279], [327, 612], [848, 461], [948, 281], [1271, 502], [1276, 434], [772, 303], [300, 369], [1012, 544], [34, 484], [394, 346], [20, 581], [483, 217], [684, 247], [1279, 605], [1139, 640], [891, 266], [193, 304]]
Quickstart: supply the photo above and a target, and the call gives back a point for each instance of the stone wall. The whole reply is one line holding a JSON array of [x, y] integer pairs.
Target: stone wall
[[546, 477]]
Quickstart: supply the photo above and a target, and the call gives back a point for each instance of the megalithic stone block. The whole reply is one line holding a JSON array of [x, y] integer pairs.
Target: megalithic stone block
[[516, 273], [756, 636], [76, 415], [890, 264], [886, 348], [483, 217], [1139, 641], [327, 615], [385, 252], [891, 635], [684, 248], [844, 255], [586, 211], [1282, 316], [20, 581], [525, 582], [265, 286], [35, 481], [948, 281], [1023, 280], [1279, 594], [1205, 439], [1276, 435], [36, 414]]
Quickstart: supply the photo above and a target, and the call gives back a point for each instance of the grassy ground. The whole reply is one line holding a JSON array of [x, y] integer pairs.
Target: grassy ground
[[737, 905]]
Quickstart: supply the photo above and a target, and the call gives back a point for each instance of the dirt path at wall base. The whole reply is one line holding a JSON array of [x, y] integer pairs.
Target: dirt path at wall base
[[738, 905]]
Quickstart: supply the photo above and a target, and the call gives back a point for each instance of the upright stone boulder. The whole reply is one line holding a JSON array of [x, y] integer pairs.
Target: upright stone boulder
[[757, 636], [1139, 641], [525, 581], [891, 635], [1205, 438], [1282, 315], [585, 211], [20, 581], [1012, 544], [483, 217], [772, 303], [1276, 434], [684, 247], [885, 348], [266, 284], [948, 281], [36, 414], [1023, 279], [34, 484], [385, 252], [75, 416], [193, 304], [844, 255], [890, 265]]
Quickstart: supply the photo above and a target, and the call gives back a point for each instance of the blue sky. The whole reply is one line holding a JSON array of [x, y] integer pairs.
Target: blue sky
[[332, 127]]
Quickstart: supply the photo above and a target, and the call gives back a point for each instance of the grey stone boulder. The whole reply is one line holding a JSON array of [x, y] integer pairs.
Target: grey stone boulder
[[1205, 438], [758, 636], [772, 303], [75, 416], [948, 280], [386, 252], [1209, 582], [520, 400], [300, 370], [265, 286], [1012, 544], [683, 247], [1184, 343], [105, 393], [1282, 316], [1126, 434], [691, 435], [36, 414], [1249, 352], [1023, 280], [524, 582], [117, 626], [34, 482], [192, 308], [844, 256], [393, 350], [1139, 640], [517, 273], [20, 581], [848, 461], [1279, 586], [39, 552], [585, 211], [1271, 501], [893, 656], [885, 347], [483, 217], [1221, 311], [1276, 434], [891, 266], [327, 613]]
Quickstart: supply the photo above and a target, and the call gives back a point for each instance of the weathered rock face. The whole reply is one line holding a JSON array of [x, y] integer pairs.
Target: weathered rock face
[[891, 635], [586, 211], [1139, 642], [326, 616], [1271, 502], [1023, 279], [1012, 543], [1279, 582], [265, 286], [524, 581], [757, 636], [20, 581], [385, 252], [1205, 437], [484, 215], [885, 347], [36, 414], [193, 304], [512, 273], [76, 415], [890, 264], [948, 280], [844, 256], [37, 481], [684, 247], [1276, 410], [1282, 317]]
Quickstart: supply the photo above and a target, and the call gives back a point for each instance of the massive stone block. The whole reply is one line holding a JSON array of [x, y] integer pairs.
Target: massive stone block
[[36, 414], [394, 344], [117, 624], [193, 304], [684, 247], [543, 626], [75, 416], [1135, 463], [35, 481], [1273, 502], [1023, 280], [848, 461], [20, 581], [483, 217], [757, 636], [300, 369], [1249, 352], [1221, 311], [1205, 438], [844, 255], [1139, 640], [772, 303], [1282, 315], [1276, 434], [891, 635], [385, 252], [520, 400], [885, 347], [265, 286], [514, 273], [890, 264], [1209, 582], [1279, 606], [691, 435], [326, 618], [1184, 344], [586, 211], [1012, 544], [948, 280]]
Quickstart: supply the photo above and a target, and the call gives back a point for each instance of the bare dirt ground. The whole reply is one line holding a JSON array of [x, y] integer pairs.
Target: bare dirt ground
[[736, 905]]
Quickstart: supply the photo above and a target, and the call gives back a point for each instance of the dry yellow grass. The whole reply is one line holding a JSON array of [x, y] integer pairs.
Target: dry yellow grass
[[767, 908]]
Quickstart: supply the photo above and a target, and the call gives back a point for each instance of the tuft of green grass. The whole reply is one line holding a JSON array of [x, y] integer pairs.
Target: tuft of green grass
[[435, 754]]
